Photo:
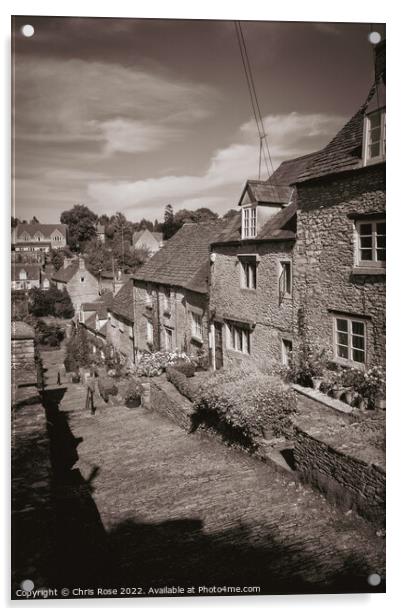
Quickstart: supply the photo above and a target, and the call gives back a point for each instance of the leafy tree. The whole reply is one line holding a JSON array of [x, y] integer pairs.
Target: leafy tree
[[204, 214], [81, 222], [51, 302], [34, 220], [14, 222], [78, 349], [169, 226], [121, 226]]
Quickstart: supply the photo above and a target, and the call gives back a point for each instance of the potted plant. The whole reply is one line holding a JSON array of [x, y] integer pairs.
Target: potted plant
[[134, 393]]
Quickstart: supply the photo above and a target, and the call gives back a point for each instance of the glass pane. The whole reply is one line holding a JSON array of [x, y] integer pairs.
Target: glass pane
[[375, 135], [358, 328], [343, 339], [365, 255], [381, 254], [342, 325], [365, 229], [380, 241], [358, 356], [375, 119], [366, 242], [381, 228], [374, 150], [342, 351], [358, 342]]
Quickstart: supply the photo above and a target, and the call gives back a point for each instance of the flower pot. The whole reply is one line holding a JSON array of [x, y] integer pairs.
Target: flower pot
[[337, 393], [349, 394], [363, 404], [380, 404]]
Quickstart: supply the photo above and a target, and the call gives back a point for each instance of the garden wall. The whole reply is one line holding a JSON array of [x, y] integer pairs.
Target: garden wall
[[349, 481], [165, 399]]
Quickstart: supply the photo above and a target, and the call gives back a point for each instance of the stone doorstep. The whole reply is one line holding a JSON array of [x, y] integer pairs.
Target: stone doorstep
[[331, 403]]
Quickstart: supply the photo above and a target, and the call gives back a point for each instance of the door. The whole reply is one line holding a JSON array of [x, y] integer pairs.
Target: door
[[218, 346]]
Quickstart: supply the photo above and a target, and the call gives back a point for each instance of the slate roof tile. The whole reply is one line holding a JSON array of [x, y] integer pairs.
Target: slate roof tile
[[123, 302]]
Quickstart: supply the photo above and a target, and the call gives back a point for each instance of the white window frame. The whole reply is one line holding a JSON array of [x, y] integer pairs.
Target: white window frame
[[249, 274], [285, 352], [249, 222], [196, 325], [283, 293], [238, 338], [168, 339], [150, 332], [349, 361], [367, 159], [374, 261]]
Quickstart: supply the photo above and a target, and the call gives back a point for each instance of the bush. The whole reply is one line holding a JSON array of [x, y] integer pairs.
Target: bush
[[243, 405], [181, 382], [185, 367], [48, 335], [70, 364], [78, 348], [134, 392], [107, 387], [53, 302], [154, 364]]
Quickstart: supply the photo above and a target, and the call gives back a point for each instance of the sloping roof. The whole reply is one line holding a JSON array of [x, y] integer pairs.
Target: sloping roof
[[21, 331], [183, 260], [32, 271], [137, 235], [344, 152], [64, 274], [266, 192], [47, 230], [123, 302], [288, 171]]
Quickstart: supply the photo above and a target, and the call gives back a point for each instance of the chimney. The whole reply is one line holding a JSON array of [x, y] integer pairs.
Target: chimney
[[379, 51], [81, 263]]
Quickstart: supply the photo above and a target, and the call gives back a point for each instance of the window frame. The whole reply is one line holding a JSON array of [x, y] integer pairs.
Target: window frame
[[349, 361], [367, 160], [285, 354], [359, 262], [169, 337], [285, 294], [150, 332], [196, 325], [238, 338], [249, 222]]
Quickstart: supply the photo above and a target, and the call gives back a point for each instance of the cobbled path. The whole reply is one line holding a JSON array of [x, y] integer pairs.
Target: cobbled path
[[145, 504]]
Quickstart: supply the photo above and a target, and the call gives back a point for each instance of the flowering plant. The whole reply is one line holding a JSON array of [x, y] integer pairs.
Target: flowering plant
[[154, 364], [372, 384]]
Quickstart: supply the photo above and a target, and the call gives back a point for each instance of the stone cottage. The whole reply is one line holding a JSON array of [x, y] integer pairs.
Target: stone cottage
[[81, 285], [339, 269], [120, 331], [251, 292], [93, 317], [171, 293], [37, 236]]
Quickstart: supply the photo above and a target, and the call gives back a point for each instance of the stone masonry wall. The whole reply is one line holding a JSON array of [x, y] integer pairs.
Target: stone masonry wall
[[165, 399], [325, 280], [86, 291], [349, 481], [22, 353], [121, 341], [177, 319], [274, 320]]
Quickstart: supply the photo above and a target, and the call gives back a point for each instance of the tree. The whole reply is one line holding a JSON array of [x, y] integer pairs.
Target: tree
[[51, 302], [14, 222], [169, 227], [81, 222], [121, 226], [34, 220], [204, 214], [230, 213]]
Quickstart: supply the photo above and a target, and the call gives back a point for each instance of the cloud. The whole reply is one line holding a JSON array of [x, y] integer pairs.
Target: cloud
[[290, 135], [134, 136]]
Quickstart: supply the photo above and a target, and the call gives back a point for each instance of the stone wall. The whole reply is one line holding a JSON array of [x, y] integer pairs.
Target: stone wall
[[80, 291], [122, 341], [177, 319], [274, 318], [22, 353], [349, 481], [166, 400], [325, 278]]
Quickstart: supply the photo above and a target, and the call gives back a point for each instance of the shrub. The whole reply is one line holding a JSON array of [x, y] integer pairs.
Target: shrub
[[52, 302], [133, 392], [309, 362], [181, 382], [245, 404], [78, 348], [48, 335], [107, 387], [185, 367], [154, 364]]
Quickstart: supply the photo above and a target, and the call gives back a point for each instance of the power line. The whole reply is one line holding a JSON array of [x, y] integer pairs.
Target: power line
[[255, 106]]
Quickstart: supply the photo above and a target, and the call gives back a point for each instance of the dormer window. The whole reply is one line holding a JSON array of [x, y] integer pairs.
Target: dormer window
[[374, 150], [249, 222]]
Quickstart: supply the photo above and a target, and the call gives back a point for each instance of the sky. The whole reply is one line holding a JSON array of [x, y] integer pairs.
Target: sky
[[132, 114]]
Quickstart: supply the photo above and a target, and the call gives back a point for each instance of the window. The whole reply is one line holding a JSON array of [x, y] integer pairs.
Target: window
[[82, 279], [371, 242], [150, 332], [168, 339], [239, 338], [287, 348], [196, 325], [148, 295], [249, 222], [375, 136], [249, 274], [350, 340], [285, 280], [23, 275]]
